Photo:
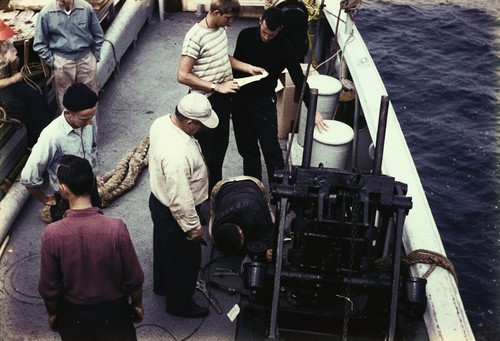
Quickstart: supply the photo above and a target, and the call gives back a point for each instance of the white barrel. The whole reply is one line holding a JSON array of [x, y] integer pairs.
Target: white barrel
[[333, 147], [328, 96]]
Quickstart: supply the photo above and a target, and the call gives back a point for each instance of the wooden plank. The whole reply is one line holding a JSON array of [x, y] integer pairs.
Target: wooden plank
[[8, 16], [30, 31], [34, 5], [23, 25]]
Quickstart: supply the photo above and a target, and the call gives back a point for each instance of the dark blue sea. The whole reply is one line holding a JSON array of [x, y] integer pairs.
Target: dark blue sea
[[440, 62]]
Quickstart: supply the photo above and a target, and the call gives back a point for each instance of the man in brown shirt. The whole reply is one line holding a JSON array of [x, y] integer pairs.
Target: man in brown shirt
[[89, 268]]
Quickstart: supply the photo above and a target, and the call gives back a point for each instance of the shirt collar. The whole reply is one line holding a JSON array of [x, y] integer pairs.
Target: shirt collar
[[66, 126], [54, 6], [82, 212], [178, 130]]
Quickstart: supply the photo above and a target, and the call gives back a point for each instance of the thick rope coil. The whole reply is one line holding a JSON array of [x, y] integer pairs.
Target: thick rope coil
[[114, 183], [122, 178], [420, 256]]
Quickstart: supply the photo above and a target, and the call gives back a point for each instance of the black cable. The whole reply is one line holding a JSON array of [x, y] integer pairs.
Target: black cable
[[117, 62], [158, 326]]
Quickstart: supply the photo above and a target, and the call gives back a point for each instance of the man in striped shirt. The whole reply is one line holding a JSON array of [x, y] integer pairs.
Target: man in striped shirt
[[206, 67]]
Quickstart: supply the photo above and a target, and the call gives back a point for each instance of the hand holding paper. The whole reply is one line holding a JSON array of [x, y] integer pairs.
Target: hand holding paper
[[246, 80]]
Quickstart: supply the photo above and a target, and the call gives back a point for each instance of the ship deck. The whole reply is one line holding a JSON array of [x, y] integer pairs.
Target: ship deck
[[144, 88]]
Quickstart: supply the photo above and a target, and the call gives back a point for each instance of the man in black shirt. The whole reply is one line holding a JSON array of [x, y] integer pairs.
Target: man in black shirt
[[240, 214], [254, 106]]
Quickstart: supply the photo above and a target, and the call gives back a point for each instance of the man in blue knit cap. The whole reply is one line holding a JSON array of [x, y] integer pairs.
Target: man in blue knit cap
[[74, 133]]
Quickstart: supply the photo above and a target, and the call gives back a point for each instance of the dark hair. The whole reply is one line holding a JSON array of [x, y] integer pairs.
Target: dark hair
[[225, 6], [273, 17], [227, 238], [179, 116], [76, 173]]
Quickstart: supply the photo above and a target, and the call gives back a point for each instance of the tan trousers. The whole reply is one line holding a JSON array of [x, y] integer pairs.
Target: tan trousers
[[67, 72]]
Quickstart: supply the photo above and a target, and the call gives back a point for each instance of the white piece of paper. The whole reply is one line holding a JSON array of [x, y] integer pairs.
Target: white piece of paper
[[246, 80], [233, 313]]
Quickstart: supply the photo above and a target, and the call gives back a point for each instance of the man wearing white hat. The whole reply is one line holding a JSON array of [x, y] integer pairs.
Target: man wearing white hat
[[179, 183]]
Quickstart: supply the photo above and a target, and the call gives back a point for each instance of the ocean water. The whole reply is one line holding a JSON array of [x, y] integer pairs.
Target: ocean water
[[440, 62]]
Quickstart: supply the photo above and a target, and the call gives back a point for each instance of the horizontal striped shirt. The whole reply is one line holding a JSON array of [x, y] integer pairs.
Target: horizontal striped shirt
[[209, 48]]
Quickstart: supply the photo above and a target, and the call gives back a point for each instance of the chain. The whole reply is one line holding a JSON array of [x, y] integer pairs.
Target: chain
[[355, 219]]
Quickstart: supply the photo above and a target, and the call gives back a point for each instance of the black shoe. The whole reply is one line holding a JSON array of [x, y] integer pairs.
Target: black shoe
[[192, 311]]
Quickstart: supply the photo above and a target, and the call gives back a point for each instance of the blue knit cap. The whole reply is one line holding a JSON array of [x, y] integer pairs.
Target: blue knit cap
[[79, 97]]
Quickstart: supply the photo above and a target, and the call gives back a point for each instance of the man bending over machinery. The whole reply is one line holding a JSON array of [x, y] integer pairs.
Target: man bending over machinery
[[240, 214]]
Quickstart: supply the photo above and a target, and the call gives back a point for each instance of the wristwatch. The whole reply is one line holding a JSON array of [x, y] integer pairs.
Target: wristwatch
[[213, 87]]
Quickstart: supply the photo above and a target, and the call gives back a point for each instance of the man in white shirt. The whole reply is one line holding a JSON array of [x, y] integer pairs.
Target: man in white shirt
[[179, 183]]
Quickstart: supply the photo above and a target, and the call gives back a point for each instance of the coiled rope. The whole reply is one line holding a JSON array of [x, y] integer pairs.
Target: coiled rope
[[114, 183], [421, 256], [121, 179]]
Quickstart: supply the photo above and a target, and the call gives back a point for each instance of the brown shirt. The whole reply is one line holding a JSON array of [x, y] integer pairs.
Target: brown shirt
[[87, 258]]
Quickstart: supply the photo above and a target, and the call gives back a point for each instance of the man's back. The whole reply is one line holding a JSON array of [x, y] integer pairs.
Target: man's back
[[95, 256], [243, 203]]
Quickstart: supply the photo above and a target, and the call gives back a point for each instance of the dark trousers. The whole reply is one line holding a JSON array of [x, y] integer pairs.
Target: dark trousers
[[214, 142], [176, 260], [255, 122], [28, 106], [101, 322]]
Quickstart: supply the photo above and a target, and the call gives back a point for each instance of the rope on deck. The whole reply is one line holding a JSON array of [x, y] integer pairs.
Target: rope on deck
[[116, 182], [119, 180], [422, 256]]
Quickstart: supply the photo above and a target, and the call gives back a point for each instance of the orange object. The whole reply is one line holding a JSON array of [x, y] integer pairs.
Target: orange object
[[5, 31]]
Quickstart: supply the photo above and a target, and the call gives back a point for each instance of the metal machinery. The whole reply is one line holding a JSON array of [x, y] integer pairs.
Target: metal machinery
[[332, 226]]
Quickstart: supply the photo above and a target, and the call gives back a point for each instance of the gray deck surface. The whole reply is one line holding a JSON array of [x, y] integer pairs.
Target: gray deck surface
[[145, 88]]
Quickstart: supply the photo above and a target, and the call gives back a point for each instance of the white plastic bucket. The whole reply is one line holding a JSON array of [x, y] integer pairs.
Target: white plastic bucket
[[328, 97], [333, 147]]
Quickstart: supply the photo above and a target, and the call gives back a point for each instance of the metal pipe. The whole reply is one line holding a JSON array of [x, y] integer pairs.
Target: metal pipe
[[291, 276], [355, 127], [273, 325], [308, 139], [382, 125]]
